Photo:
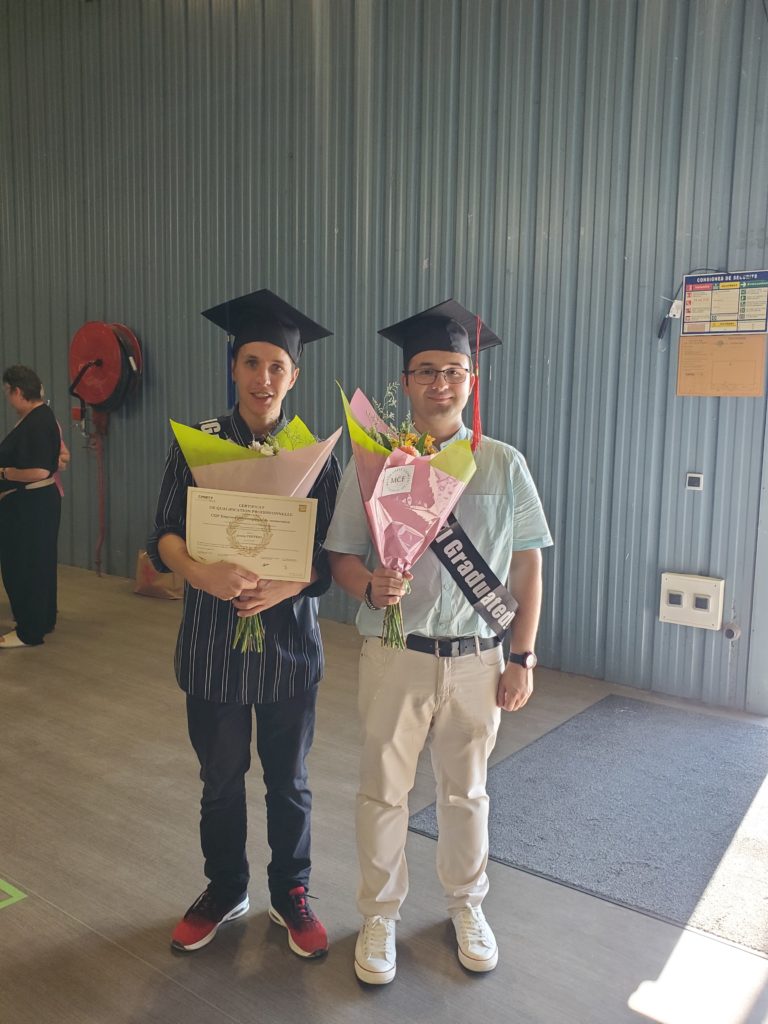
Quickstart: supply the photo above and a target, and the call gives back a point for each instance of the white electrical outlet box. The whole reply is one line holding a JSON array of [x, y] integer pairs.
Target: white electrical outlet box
[[694, 481], [691, 600]]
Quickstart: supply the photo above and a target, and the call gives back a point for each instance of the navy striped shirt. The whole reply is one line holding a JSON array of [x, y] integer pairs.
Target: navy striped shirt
[[206, 664]]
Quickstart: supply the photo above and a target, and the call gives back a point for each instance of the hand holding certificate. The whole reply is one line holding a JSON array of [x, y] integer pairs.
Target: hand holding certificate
[[255, 512]]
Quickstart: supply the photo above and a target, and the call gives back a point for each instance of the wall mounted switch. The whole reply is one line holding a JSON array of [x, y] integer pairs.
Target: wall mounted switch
[[694, 481]]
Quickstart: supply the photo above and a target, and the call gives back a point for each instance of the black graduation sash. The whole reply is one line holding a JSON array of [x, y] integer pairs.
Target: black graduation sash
[[474, 577]]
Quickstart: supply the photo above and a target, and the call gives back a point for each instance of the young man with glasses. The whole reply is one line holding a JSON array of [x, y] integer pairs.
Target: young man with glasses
[[450, 684]]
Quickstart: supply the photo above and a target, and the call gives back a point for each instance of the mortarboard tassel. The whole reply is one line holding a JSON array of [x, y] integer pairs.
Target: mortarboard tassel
[[477, 427]]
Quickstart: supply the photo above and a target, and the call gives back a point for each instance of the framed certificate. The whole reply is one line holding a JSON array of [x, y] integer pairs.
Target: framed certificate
[[271, 535]]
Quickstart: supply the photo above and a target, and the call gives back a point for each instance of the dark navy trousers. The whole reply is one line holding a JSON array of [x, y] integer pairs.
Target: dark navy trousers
[[221, 736]]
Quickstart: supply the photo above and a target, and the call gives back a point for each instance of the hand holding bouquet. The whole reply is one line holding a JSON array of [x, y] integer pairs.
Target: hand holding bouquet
[[408, 489], [286, 464]]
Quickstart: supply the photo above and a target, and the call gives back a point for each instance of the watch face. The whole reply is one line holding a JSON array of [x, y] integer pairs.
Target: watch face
[[527, 659]]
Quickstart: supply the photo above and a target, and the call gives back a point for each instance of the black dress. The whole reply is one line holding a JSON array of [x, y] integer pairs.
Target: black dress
[[29, 525]]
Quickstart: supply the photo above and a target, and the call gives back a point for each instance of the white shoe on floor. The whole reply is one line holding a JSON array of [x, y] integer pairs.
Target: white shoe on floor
[[11, 640], [477, 945], [375, 955]]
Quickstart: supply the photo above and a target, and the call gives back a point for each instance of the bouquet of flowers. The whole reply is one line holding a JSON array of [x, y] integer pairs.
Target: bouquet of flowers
[[286, 464], [408, 488]]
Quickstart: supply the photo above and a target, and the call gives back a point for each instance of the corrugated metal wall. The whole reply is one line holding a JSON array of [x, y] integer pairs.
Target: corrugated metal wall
[[556, 165]]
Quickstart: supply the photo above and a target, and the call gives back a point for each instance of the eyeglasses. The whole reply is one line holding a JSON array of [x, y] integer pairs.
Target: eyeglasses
[[428, 375]]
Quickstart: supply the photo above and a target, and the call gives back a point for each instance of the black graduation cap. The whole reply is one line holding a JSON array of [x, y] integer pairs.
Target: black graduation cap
[[446, 327], [264, 316]]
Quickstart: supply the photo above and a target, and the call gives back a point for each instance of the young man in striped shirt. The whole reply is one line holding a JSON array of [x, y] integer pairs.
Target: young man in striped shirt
[[226, 689]]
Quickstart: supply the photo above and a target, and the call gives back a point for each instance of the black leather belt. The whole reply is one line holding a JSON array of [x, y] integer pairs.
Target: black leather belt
[[450, 647]]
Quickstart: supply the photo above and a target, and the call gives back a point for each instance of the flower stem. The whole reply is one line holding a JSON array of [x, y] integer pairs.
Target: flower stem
[[249, 635], [393, 634]]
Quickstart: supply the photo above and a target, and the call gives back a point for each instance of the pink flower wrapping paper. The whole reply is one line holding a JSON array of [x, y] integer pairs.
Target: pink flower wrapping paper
[[407, 498]]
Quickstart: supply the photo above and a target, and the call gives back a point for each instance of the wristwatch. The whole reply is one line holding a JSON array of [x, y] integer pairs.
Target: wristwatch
[[527, 659], [369, 599]]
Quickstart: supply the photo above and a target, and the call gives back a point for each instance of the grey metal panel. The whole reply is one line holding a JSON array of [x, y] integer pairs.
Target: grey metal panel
[[556, 164]]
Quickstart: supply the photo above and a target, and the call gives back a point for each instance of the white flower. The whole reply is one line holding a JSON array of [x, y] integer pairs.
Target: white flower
[[262, 447]]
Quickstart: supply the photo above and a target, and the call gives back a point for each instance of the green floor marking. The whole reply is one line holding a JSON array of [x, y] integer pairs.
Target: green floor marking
[[12, 895]]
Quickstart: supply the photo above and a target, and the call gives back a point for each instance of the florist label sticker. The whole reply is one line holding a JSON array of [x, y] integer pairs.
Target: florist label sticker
[[397, 480]]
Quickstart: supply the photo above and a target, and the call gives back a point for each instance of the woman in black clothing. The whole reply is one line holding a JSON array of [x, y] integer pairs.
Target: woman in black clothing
[[30, 510]]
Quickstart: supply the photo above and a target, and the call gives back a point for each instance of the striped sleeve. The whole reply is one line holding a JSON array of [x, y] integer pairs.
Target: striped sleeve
[[171, 512], [325, 491]]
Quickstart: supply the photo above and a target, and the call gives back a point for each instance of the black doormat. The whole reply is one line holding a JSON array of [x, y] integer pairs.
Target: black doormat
[[643, 805]]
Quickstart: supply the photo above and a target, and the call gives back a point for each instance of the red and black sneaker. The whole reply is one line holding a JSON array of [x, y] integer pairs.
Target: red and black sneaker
[[306, 934], [201, 922]]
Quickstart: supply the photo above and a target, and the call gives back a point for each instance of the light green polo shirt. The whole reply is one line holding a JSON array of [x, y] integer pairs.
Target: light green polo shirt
[[500, 512]]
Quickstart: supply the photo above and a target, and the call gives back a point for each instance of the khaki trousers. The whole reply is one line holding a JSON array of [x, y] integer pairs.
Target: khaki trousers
[[407, 699]]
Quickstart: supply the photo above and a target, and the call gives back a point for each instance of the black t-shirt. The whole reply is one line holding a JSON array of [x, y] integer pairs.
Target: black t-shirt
[[34, 443]]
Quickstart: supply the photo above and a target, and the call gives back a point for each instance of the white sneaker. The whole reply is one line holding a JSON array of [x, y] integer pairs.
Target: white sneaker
[[11, 640], [477, 946], [375, 954]]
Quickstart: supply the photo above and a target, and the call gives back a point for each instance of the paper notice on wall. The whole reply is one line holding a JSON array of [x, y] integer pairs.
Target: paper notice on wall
[[726, 366], [726, 303]]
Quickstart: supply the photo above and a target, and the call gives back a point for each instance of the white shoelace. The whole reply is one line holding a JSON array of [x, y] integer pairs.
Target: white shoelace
[[474, 929], [377, 938]]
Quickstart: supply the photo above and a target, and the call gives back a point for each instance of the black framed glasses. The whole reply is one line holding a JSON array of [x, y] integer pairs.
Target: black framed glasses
[[428, 375]]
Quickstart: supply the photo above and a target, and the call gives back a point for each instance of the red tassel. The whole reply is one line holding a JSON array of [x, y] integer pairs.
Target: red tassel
[[477, 427]]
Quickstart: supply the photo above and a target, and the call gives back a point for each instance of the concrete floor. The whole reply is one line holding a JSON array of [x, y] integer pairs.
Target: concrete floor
[[99, 802]]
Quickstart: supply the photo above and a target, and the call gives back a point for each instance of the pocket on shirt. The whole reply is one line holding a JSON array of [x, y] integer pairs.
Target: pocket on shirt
[[487, 521], [484, 515]]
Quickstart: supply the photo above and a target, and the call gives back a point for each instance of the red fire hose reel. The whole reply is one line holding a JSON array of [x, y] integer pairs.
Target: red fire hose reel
[[105, 366]]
